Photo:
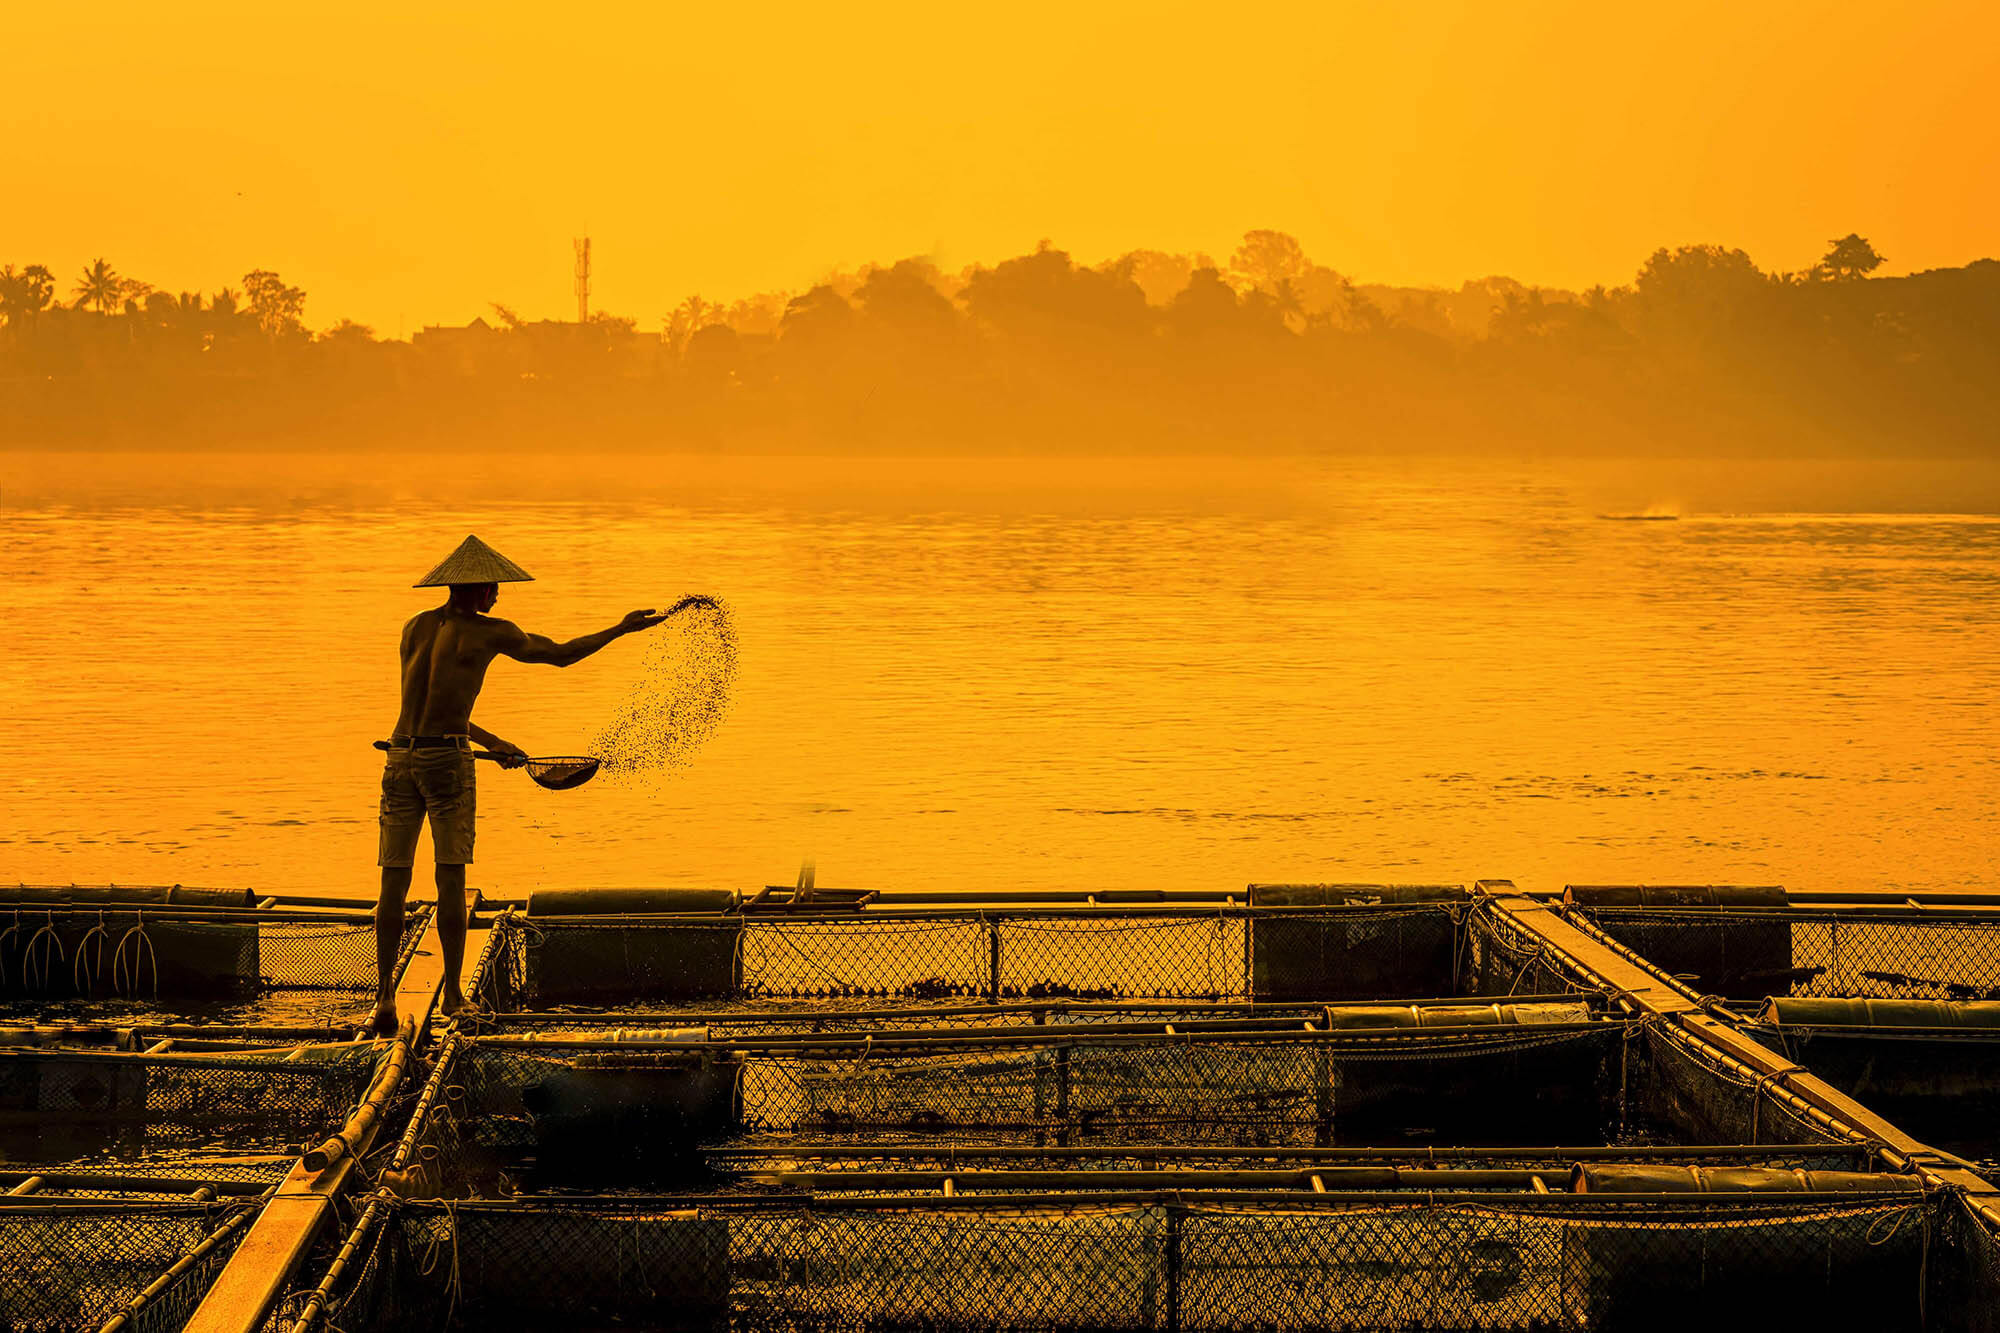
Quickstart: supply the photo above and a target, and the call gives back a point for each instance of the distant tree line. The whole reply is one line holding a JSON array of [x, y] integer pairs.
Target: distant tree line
[[1268, 351]]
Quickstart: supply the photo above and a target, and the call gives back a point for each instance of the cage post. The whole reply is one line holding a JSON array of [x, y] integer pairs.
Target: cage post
[[993, 962], [1175, 1211], [1062, 1094]]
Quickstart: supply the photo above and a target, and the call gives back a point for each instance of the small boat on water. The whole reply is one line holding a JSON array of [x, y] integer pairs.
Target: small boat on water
[[1640, 518]]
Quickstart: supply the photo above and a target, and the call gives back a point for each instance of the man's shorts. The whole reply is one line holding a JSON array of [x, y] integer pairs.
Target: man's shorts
[[430, 780]]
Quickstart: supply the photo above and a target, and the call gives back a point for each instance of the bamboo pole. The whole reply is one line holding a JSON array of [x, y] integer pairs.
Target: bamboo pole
[[360, 1126]]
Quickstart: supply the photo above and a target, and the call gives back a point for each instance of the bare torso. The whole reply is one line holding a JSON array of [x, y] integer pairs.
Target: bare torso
[[445, 657]]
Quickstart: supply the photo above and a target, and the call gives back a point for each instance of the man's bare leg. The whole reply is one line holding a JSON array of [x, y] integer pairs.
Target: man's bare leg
[[388, 944], [451, 933]]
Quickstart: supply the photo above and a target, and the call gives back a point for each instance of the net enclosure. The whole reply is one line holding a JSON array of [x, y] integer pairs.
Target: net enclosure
[[87, 1105], [1932, 1067], [1897, 1006], [198, 962], [75, 1264], [1750, 953], [1154, 1261], [506, 1113], [1268, 950]]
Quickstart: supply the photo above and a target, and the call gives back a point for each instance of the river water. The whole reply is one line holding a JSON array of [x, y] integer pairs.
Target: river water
[[1026, 673]]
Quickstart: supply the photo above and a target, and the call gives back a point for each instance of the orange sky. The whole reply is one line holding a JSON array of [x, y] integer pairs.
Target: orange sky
[[408, 170]]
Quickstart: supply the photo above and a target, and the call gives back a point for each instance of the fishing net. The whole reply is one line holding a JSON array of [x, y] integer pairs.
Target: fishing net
[[1562, 1262], [1111, 954], [1712, 1098], [561, 772], [68, 1268], [1748, 954]]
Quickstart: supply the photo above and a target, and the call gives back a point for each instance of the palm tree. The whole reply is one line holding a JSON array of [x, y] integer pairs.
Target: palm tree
[[100, 286], [24, 293]]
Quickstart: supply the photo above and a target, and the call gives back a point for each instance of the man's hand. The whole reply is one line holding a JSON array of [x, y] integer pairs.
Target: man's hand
[[635, 621], [511, 755]]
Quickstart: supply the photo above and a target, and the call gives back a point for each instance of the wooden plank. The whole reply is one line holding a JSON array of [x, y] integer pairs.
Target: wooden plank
[[260, 1271], [1649, 993]]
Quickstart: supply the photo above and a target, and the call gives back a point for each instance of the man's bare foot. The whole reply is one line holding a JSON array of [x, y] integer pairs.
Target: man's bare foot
[[452, 1003], [384, 1022]]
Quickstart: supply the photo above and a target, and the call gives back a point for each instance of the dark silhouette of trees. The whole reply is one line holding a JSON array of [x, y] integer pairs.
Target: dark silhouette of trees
[[278, 309], [1849, 258], [100, 286], [1702, 351], [25, 293]]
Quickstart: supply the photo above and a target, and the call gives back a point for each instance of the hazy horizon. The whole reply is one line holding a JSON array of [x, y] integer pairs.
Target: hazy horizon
[[411, 167]]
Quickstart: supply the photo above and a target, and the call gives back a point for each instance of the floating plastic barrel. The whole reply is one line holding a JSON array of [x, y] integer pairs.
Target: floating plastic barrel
[[654, 944], [1365, 953], [1843, 1012], [1344, 1016], [1593, 1178], [151, 895], [616, 1118], [1738, 957]]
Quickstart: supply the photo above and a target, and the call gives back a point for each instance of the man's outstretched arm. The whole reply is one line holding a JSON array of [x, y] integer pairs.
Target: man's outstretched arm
[[535, 648]]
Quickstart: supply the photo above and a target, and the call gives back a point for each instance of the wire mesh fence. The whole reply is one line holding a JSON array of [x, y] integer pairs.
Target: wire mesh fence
[[504, 1114], [218, 966], [69, 1105], [1751, 953], [71, 1267], [1159, 1263], [1216, 954]]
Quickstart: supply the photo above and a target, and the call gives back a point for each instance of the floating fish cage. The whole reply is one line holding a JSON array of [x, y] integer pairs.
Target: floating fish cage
[[207, 955], [614, 1107], [1296, 1107], [1892, 1004], [74, 1096], [83, 1252], [1745, 945], [1288, 942], [1158, 1259]]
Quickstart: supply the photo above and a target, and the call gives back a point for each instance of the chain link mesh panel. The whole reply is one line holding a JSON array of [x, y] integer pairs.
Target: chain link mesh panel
[[1561, 1263], [77, 1105], [69, 1268], [1216, 954], [1751, 954]]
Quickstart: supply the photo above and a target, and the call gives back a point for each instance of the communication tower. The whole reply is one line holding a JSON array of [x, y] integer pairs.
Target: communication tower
[[583, 280]]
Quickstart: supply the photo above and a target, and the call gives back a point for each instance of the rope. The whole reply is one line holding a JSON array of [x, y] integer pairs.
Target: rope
[[142, 950], [85, 977], [32, 974], [429, 1262]]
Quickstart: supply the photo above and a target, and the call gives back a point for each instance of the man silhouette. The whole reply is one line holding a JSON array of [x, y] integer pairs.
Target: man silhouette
[[429, 772]]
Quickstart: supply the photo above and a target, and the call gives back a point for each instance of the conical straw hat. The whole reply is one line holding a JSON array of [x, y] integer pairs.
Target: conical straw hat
[[474, 562]]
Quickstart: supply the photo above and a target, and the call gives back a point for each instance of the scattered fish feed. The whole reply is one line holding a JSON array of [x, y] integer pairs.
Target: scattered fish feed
[[682, 696]]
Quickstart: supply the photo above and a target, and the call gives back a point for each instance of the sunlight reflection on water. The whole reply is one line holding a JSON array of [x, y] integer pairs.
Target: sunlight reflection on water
[[1130, 673]]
